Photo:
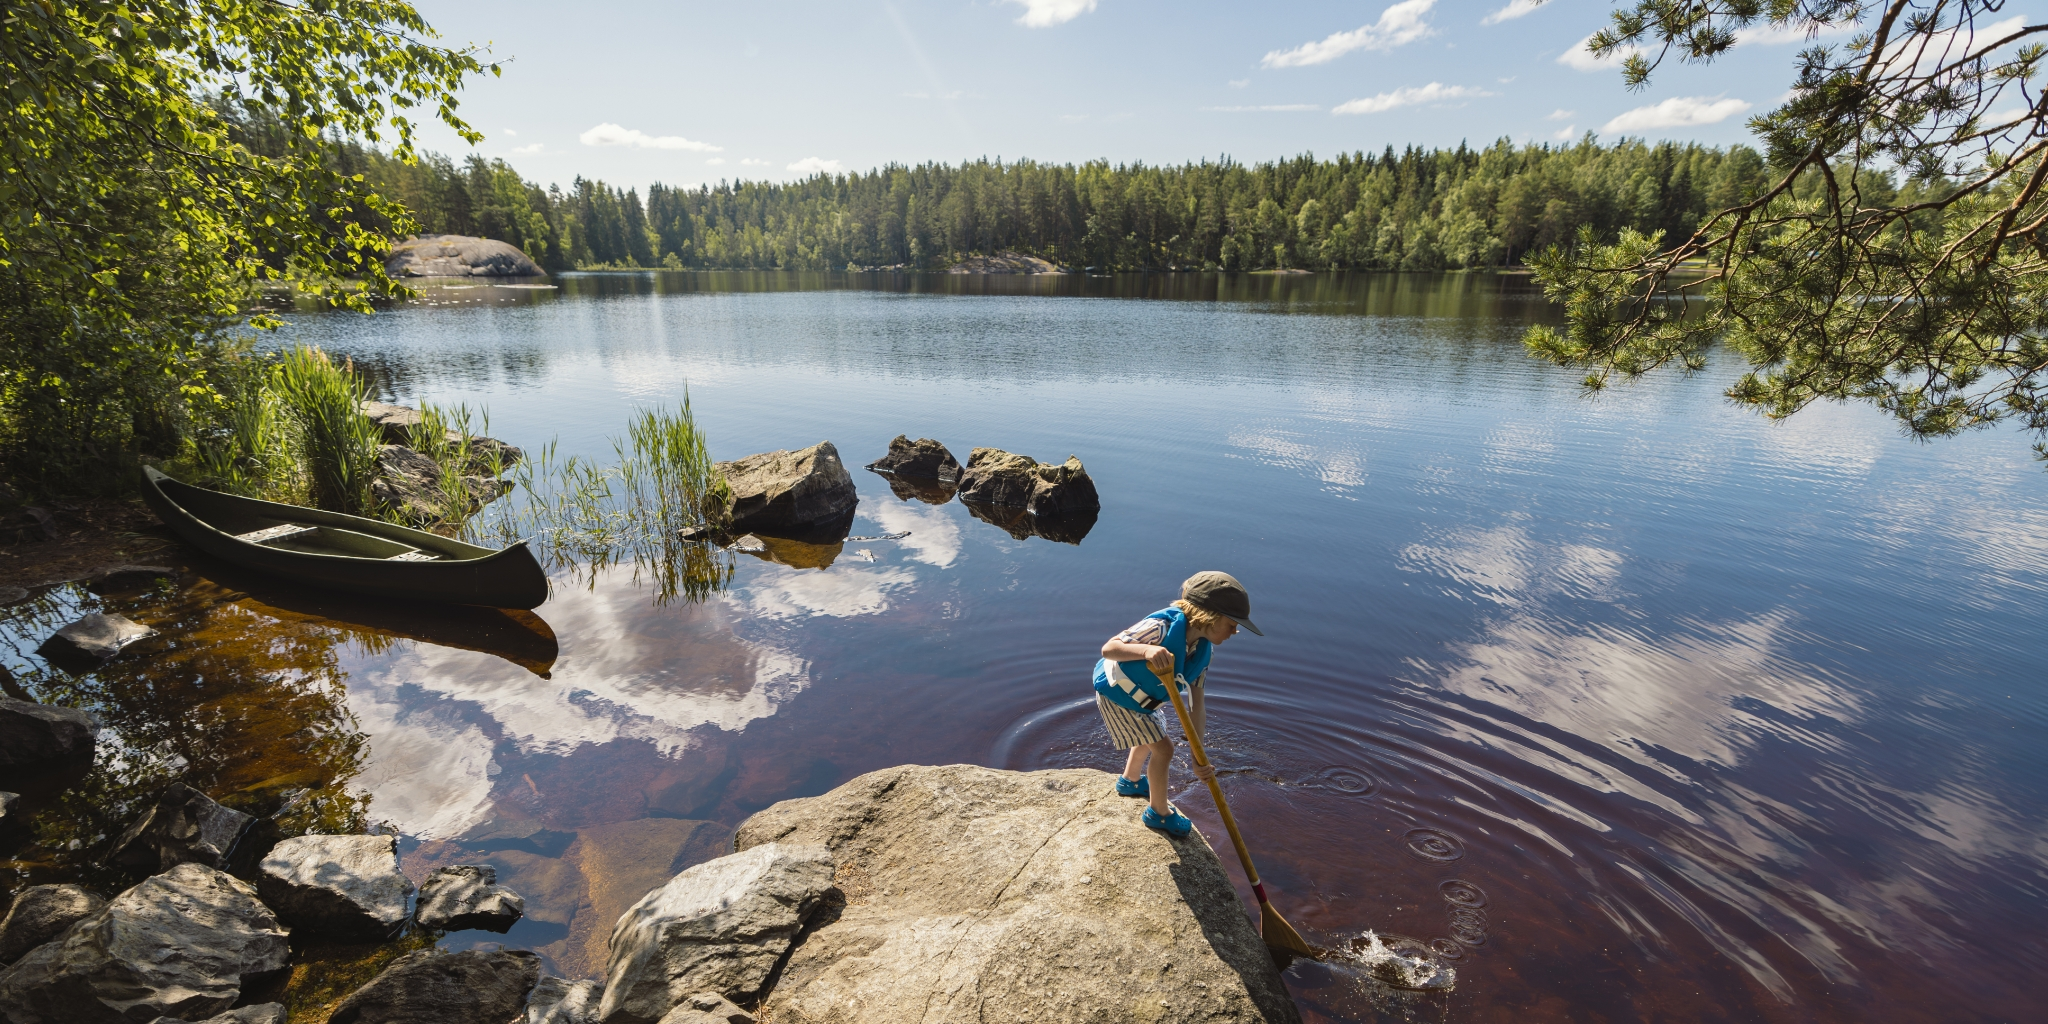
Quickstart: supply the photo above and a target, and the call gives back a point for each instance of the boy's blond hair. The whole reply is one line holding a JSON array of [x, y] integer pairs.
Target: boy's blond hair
[[1199, 618]]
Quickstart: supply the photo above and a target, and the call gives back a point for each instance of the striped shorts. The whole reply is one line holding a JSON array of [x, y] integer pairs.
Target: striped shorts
[[1129, 728]]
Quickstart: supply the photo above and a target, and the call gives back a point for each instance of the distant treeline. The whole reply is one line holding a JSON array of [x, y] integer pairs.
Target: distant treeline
[[1410, 210]]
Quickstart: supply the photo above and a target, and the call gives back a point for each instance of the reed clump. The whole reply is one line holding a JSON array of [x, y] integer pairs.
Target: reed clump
[[290, 428]]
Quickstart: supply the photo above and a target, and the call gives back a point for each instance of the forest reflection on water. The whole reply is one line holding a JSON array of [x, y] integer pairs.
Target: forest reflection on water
[[1644, 708]]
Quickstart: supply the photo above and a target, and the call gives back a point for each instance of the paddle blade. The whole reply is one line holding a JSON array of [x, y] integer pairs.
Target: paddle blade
[[1281, 935]]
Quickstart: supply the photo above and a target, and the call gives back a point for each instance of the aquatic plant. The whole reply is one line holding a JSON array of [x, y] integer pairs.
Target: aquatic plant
[[652, 508], [335, 444]]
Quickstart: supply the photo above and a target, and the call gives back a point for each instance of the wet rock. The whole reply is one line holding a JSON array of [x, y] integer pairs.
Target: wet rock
[[92, 641], [561, 1001], [336, 887], [36, 737], [1050, 900], [409, 484], [115, 579], [181, 944], [182, 825], [997, 477], [458, 256], [30, 525], [784, 492], [1063, 528], [793, 553], [623, 861], [467, 896], [261, 1013], [923, 458], [720, 926], [706, 1008], [41, 913], [432, 987]]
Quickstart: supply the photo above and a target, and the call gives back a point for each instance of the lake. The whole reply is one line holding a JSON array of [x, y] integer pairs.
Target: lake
[[1640, 707]]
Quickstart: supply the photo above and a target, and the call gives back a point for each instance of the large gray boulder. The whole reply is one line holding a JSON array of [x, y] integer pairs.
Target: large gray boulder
[[978, 894], [561, 1001], [336, 887], [36, 737], [41, 913], [997, 477], [720, 926], [782, 493], [431, 987], [181, 825], [458, 256], [260, 1013], [92, 640], [181, 944], [467, 896]]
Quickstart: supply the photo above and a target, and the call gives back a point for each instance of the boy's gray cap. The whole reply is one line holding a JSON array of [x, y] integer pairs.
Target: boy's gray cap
[[1220, 592]]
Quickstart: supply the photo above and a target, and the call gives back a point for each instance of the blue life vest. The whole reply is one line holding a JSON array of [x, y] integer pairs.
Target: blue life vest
[[1132, 684]]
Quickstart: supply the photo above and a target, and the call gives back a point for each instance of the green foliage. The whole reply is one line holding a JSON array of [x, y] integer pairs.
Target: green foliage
[[1413, 210], [1897, 255], [135, 213], [335, 444]]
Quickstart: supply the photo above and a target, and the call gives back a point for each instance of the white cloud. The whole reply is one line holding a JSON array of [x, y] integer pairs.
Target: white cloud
[[1047, 13], [1560, 114], [1269, 106], [1677, 112], [1408, 96], [715, 161], [510, 132], [1398, 25], [1577, 57], [1512, 11], [609, 134], [1239, 83], [527, 150], [812, 165], [1565, 132], [751, 162]]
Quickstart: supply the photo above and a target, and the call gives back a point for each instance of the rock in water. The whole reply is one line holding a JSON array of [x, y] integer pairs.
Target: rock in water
[[784, 492], [336, 887], [38, 737], [182, 825], [467, 896], [458, 256], [396, 421], [41, 913], [707, 1008], [560, 1001], [431, 987], [409, 484], [115, 579], [181, 944], [720, 927], [977, 894], [93, 640], [261, 1013], [923, 458], [997, 477]]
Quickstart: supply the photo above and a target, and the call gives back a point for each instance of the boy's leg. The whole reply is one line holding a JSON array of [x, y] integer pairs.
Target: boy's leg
[[1161, 753], [1134, 765]]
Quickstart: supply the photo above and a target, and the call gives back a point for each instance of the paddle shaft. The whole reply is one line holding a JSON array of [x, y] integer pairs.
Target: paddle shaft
[[1187, 725]]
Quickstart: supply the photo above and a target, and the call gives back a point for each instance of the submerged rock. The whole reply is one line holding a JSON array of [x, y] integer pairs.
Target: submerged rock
[[39, 737], [181, 825], [337, 887], [467, 896], [720, 926], [1049, 901], [92, 641], [785, 492], [923, 458], [181, 944], [432, 987], [409, 485], [261, 1013], [997, 477], [115, 579], [458, 256], [41, 913], [561, 1001]]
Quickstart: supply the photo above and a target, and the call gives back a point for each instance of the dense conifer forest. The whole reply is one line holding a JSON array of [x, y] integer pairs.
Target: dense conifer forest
[[1414, 209]]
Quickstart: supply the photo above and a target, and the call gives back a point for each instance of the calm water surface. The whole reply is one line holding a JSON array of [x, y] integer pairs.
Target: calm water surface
[[1643, 708]]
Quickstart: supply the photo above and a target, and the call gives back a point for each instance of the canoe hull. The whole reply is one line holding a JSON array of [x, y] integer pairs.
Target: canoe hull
[[464, 573]]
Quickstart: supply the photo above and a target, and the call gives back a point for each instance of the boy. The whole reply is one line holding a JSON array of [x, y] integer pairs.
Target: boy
[[1176, 640]]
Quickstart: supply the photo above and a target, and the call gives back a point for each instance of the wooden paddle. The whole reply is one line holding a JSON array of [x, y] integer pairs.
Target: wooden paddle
[[1274, 928]]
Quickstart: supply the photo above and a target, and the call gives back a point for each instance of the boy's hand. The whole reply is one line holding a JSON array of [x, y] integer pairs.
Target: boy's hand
[[1161, 660]]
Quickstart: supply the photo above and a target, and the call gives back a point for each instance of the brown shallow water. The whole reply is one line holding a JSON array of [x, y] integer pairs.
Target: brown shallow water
[[1642, 709]]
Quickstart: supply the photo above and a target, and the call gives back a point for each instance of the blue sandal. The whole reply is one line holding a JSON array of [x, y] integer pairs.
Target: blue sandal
[[1174, 823], [1141, 788]]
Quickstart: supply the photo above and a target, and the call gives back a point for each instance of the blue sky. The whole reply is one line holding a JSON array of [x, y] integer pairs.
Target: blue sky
[[692, 92]]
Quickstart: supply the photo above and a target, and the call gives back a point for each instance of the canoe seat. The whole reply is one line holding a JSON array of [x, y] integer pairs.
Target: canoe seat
[[269, 534], [412, 556]]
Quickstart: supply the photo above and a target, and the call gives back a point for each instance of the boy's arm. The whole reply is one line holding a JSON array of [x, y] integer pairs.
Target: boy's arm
[[1117, 649]]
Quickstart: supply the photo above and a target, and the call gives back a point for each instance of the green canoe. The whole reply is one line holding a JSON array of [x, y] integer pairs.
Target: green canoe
[[343, 552]]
